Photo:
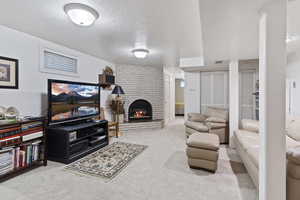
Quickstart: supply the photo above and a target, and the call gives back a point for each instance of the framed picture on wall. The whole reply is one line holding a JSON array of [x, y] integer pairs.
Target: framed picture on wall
[[9, 73]]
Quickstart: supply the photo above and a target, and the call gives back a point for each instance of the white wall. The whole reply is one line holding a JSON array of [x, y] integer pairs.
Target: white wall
[[31, 98]]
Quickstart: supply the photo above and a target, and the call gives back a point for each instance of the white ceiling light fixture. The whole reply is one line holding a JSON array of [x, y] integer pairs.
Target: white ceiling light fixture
[[140, 53], [81, 14]]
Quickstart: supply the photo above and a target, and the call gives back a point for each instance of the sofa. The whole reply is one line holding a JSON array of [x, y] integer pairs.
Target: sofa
[[247, 142], [213, 121]]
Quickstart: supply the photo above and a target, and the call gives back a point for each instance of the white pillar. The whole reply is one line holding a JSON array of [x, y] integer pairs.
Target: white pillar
[[272, 55], [233, 99]]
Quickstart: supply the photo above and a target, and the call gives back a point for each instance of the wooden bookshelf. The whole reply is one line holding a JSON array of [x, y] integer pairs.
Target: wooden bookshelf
[[24, 142]]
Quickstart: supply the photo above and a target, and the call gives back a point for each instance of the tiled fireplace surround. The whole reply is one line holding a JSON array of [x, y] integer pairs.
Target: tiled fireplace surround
[[139, 82]]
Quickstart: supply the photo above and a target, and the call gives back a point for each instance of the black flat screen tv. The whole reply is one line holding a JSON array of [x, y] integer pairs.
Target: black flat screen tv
[[70, 101]]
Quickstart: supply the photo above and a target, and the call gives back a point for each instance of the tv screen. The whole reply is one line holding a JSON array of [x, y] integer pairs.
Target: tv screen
[[72, 100]]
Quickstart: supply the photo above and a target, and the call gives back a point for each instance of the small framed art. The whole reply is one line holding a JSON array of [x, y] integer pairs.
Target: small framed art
[[9, 77]]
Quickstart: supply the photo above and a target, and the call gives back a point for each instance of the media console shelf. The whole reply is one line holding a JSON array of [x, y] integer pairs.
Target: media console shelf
[[69, 142]]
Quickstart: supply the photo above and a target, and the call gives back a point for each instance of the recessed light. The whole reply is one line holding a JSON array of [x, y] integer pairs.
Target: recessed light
[[81, 14], [140, 53]]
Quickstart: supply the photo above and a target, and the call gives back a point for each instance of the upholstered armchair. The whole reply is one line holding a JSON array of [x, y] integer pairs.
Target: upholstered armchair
[[213, 121]]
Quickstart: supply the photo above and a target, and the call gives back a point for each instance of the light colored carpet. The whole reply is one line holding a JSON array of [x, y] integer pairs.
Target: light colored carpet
[[159, 173]]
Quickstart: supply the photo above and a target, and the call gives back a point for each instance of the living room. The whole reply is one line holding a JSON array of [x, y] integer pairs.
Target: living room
[[145, 99]]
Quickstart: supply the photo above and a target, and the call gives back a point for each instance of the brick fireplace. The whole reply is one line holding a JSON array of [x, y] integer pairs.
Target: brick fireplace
[[140, 110], [142, 85]]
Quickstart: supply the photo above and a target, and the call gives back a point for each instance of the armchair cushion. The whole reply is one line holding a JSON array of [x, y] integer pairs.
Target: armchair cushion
[[196, 117], [219, 113], [198, 126], [215, 120], [214, 125]]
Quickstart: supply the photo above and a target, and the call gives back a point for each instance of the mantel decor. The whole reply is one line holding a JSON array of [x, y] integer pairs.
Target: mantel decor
[[9, 73], [107, 78]]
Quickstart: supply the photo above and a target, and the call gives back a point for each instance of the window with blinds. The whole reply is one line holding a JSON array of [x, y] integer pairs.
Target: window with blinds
[[54, 62], [59, 62]]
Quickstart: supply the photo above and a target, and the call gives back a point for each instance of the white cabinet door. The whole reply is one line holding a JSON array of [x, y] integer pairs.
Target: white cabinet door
[[192, 92], [247, 99], [214, 90]]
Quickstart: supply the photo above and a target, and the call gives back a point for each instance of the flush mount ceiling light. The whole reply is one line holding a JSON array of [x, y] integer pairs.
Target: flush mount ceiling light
[[140, 53], [81, 14]]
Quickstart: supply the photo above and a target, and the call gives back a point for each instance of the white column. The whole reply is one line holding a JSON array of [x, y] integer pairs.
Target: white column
[[272, 55], [233, 99]]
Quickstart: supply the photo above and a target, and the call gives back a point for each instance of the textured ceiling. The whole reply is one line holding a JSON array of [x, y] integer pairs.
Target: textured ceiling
[[230, 29], [170, 29]]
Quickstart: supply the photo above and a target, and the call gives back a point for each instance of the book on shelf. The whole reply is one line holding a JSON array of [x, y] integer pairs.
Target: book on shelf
[[9, 132], [34, 130], [30, 125], [31, 136], [13, 140], [14, 158], [14, 135]]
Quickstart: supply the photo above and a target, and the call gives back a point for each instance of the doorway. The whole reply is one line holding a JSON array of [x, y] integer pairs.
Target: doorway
[[179, 97]]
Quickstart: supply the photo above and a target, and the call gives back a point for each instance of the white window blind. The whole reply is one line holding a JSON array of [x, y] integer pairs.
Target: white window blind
[[57, 62], [214, 90], [247, 99]]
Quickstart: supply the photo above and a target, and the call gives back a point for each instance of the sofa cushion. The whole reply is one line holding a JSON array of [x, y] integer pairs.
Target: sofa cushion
[[198, 126], [293, 155], [250, 143], [215, 120], [247, 138], [220, 113], [293, 129], [253, 152], [204, 141], [291, 143], [293, 170], [250, 125], [196, 117]]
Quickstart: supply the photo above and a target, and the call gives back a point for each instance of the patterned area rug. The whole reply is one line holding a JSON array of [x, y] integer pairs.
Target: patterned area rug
[[108, 161]]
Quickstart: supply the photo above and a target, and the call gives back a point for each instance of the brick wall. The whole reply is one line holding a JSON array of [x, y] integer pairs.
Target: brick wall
[[140, 82]]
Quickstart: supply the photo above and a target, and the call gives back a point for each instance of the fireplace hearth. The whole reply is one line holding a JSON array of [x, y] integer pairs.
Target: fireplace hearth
[[140, 110]]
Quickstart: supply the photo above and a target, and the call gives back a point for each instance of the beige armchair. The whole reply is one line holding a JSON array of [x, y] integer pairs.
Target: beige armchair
[[213, 121]]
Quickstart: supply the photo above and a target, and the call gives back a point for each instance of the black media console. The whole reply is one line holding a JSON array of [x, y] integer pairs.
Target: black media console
[[69, 142]]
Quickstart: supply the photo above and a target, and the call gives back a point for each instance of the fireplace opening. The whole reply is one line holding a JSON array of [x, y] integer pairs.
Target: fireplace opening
[[140, 110]]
